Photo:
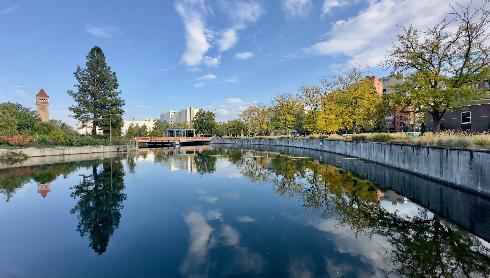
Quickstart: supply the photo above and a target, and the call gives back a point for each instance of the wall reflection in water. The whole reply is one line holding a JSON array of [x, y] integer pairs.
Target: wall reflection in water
[[421, 243], [364, 208]]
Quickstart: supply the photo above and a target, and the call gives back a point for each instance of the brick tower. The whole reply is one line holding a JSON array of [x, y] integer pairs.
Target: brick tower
[[42, 104]]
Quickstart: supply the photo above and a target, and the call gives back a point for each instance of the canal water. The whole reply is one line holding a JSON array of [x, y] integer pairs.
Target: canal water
[[200, 212]]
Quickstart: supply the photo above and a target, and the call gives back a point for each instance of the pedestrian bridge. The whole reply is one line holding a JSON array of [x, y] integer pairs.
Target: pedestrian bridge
[[171, 141]]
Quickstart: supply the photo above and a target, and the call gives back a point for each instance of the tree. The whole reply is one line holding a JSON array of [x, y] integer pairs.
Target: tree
[[287, 112], [235, 128], [221, 129], [159, 128], [204, 122], [8, 123], [97, 96], [442, 64], [181, 125], [132, 131], [359, 106], [257, 119], [313, 95], [16, 118]]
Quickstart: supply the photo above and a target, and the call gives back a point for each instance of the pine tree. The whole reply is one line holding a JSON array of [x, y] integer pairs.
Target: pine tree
[[97, 96]]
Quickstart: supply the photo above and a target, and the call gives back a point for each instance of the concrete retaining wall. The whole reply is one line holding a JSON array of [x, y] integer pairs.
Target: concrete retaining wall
[[466, 169], [60, 154]]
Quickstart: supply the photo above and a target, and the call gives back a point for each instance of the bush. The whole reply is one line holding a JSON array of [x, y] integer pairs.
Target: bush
[[16, 140], [381, 137], [359, 137]]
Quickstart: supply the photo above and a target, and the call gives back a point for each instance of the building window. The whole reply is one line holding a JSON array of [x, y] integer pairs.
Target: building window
[[466, 117]]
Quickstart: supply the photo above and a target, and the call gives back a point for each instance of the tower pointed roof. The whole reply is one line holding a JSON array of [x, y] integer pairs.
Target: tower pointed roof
[[42, 93]]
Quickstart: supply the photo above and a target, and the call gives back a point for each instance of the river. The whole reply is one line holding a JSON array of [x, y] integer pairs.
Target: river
[[212, 212]]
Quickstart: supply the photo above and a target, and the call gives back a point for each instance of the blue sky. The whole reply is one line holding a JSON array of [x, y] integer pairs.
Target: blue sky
[[221, 55]]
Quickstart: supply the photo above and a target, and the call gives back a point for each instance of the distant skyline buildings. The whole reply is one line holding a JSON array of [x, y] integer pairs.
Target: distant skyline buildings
[[179, 116]]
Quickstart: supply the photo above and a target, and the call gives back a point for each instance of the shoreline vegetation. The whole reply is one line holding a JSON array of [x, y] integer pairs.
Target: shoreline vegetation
[[448, 139]]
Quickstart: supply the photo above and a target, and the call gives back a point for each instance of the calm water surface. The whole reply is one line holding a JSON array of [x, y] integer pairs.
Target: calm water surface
[[213, 213]]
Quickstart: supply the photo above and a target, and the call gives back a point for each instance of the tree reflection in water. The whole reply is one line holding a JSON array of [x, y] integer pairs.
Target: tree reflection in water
[[205, 163], [100, 200], [423, 245], [13, 179]]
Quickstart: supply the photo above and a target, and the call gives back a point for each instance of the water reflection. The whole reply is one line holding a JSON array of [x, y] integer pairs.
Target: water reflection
[[209, 233], [232, 223], [13, 179], [421, 243], [100, 200]]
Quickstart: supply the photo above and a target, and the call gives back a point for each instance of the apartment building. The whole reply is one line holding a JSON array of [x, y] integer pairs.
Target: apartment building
[[179, 116], [149, 123]]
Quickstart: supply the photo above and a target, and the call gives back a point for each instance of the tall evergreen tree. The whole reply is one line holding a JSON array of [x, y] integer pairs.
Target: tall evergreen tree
[[97, 97]]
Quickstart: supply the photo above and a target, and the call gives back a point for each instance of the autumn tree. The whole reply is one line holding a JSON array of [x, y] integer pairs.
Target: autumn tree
[[257, 119], [97, 95], [288, 113], [442, 62]]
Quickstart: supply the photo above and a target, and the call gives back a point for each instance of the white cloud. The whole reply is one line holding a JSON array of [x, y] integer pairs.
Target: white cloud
[[233, 100], [197, 44], [228, 39], [329, 5], [212, 61], [101, 31], [366, 38], [231, 79], [244, 55], [208, 76], [246, 219], [201, 38], [199, 85], [297, 8], [229, 108], [242, 13], [10, 10]]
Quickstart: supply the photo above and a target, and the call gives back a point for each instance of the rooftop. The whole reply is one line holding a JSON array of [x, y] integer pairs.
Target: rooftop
[[42, 93]]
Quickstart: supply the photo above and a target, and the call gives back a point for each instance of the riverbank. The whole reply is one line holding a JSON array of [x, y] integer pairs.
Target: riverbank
[[462, 168], [13, 158]]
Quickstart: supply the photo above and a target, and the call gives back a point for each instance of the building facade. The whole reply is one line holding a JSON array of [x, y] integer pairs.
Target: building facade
[[399, 121], [474, 117], [87, 129], [149, 123], [179, 116], [377, 84], [42, 105]]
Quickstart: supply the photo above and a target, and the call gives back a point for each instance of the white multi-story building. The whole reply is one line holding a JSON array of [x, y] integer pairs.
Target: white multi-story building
[[179, 116], [149, 123], [87, 129]]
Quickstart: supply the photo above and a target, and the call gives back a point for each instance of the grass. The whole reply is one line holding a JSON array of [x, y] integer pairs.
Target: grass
[[448, 139]]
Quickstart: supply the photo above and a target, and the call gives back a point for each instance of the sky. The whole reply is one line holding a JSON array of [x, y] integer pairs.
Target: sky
[[219, 55]]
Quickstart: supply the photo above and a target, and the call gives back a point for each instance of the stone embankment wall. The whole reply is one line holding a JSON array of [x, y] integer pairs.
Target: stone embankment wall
[[466, 169], [42, 156]]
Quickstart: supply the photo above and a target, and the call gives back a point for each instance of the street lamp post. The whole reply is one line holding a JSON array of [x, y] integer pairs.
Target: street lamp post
[[110, 129]]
